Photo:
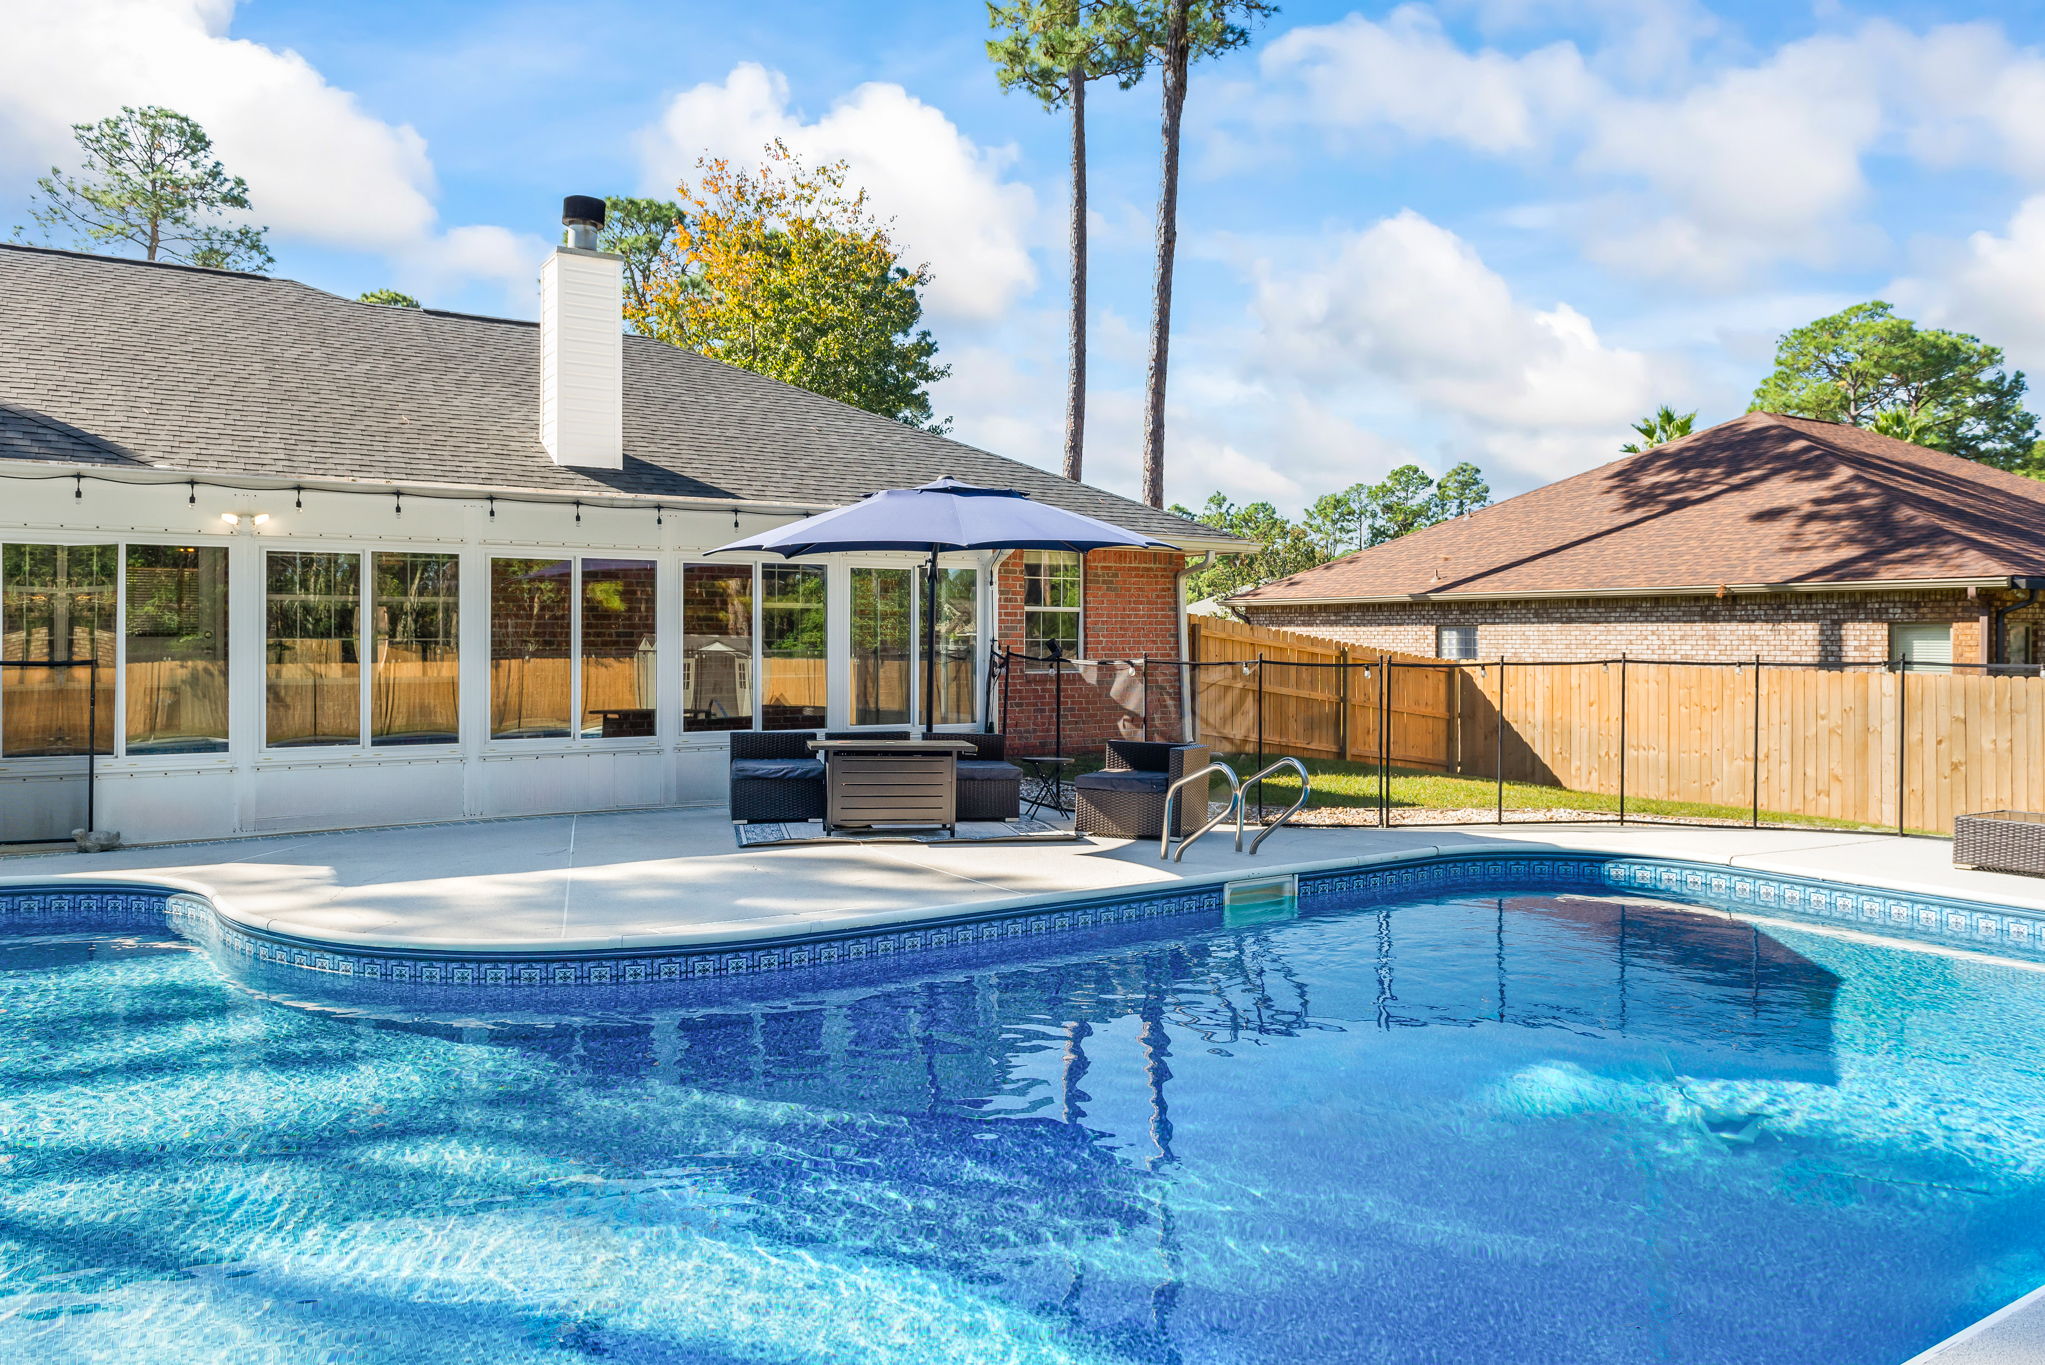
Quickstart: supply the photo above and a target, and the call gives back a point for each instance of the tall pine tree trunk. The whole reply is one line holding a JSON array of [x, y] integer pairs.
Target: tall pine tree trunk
[[1175, 60], [1075, 380]]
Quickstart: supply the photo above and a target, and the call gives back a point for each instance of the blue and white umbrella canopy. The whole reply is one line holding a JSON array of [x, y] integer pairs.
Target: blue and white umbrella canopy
[[940, 518], [945, 516]]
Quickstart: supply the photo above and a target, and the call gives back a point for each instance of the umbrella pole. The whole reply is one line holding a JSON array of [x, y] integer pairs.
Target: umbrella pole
[[930, 647]]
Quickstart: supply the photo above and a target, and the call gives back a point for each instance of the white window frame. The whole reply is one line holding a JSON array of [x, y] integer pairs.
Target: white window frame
[[1441, 634], [574, 738], [1078, 612], [1903, 655]]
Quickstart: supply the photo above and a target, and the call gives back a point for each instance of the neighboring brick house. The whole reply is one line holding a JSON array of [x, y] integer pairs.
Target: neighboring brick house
[[1795, 540]]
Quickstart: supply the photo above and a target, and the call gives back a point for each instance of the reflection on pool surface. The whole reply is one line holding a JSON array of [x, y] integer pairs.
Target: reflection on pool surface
[[1478, 1130]]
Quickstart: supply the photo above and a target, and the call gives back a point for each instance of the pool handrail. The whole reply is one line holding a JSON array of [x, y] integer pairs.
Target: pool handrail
[[1306, 790], [1235, 807]]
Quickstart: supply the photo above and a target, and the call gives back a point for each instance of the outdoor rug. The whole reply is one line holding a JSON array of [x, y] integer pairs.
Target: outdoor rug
[[762, 834]]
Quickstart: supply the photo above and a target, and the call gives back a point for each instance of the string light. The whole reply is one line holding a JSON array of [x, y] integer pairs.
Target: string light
[[398, 501], [298, 495], [578, 514], [659, 515]]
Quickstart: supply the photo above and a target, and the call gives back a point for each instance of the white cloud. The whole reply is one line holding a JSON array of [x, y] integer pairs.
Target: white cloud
[[1410, 303], [1708, 172], [1992, 286], [319, 166], [1408, 75], [321, 169], [952, 201], [1759, 163]]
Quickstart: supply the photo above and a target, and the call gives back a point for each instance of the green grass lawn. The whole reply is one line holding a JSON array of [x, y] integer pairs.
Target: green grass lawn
[[1338, 783]]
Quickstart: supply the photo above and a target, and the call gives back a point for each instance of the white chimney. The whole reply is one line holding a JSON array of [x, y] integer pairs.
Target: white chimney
[[582, 345]]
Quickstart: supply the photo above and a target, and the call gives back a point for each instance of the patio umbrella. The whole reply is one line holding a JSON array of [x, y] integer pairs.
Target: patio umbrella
[[941, 517]]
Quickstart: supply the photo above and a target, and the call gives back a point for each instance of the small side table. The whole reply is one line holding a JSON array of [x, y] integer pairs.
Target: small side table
[[1043, 784]]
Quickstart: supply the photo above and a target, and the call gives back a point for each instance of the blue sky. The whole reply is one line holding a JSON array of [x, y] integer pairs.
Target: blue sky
[[1494, 230]]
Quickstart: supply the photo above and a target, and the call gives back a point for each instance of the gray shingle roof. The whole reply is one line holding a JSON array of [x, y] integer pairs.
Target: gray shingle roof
[[111, 361]]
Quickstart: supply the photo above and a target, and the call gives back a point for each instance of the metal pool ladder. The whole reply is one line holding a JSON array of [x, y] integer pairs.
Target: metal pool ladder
[[1235, 805]]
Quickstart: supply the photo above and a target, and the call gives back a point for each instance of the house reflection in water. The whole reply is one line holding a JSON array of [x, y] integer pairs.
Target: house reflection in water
[[1022, 1115]]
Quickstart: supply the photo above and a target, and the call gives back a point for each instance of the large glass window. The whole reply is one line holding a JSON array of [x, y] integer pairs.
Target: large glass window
[[530, 622], [415, 692], [177, 649], [313, 693], [717, 647], [56, 607], [618, 625], [958, 645], [1052, 593], [881, 629], [792, 646]]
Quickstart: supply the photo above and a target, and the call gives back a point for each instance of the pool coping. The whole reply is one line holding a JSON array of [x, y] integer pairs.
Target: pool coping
[[1960, 923]]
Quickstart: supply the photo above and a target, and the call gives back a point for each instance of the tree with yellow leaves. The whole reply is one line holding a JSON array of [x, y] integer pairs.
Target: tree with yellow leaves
[[782, 271]]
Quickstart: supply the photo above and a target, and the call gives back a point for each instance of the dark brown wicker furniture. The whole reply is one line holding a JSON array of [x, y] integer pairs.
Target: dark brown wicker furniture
[[2001, 841], [1126, 799], [774, 776], [990, 787]]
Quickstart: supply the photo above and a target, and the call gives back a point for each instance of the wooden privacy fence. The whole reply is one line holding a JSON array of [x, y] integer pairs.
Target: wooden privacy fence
[[1860, 744]]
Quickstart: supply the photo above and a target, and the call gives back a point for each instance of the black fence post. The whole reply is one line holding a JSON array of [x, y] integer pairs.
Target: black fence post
[[1384, 741], [1622, 736], [1144, 692], [1902, 740], [1260, 737], [1757, 741], [1498, 740]]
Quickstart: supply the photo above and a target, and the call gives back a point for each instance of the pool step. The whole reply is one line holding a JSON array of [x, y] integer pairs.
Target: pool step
[[1260, 900]]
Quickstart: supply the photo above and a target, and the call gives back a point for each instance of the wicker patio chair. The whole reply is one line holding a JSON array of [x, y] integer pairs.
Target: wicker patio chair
[[1126, 799], [990, 787], [774, 776], [2000, 841]]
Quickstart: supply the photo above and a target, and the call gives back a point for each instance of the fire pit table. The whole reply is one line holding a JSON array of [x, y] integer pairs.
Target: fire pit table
[[904, 782]]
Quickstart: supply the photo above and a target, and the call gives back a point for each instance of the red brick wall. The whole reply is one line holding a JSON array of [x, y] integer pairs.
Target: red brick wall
[[1845, 627], [1131, 611]]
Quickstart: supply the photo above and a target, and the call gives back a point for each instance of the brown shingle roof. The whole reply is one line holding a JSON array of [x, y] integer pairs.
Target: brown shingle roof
[[1762, 499]]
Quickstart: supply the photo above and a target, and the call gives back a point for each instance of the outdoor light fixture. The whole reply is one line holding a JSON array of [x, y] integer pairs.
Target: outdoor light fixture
[[252, 518]]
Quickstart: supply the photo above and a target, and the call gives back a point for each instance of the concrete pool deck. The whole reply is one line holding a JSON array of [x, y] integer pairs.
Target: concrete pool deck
[[676, 878]]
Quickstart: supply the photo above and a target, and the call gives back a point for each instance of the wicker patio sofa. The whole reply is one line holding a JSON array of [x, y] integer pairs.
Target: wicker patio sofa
[[2000, 841], [1126, 799], [774, 776]]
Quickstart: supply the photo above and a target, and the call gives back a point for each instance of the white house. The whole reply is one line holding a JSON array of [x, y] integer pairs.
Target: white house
[[287, 561]]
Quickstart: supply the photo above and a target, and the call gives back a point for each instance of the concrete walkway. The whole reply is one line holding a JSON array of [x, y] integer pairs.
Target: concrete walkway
[[676, 877]]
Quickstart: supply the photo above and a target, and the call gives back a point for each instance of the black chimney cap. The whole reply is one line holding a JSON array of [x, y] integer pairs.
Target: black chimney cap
[[582, 208]]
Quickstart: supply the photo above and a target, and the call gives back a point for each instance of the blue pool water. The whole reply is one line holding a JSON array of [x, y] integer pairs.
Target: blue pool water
[[1475, 1130]]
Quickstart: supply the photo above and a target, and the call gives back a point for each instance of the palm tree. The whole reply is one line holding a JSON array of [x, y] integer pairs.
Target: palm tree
[[1658, 428], [1052, 49], [1188, 30]]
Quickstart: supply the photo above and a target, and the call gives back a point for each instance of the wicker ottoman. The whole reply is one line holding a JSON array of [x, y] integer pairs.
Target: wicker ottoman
[[2001, 841], [1126, 799]]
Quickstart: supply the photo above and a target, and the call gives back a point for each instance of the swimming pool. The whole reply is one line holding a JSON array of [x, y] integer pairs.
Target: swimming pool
[[1474, 1127]]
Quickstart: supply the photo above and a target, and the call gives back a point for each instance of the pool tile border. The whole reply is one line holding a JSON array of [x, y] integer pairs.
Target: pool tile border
[[1948, 921]]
